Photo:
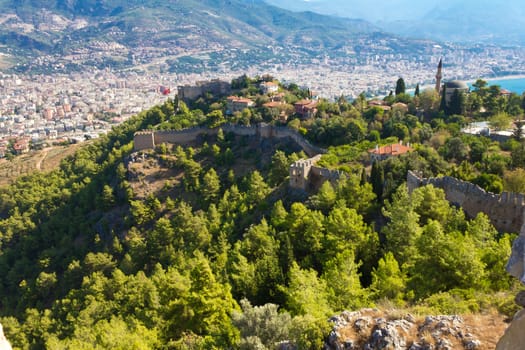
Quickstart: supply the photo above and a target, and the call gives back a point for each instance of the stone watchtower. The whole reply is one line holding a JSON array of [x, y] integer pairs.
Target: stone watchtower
[[439, 75], [144, 140], [300, 172]]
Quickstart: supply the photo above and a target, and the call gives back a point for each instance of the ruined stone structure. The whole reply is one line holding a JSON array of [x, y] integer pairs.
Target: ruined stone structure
[[215, 87], [306, 176], [300, 172], [506, 211], [150, 139]]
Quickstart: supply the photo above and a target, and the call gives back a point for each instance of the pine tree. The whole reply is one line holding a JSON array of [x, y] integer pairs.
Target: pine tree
[[211, 185], [387, 279], [518, 132]]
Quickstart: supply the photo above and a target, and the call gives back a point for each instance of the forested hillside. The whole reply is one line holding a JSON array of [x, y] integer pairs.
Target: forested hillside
[[207, 247]]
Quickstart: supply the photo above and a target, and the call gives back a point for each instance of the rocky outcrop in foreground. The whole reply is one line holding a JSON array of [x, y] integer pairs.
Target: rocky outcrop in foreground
[[4, 344], [514, 337], [372, 329]]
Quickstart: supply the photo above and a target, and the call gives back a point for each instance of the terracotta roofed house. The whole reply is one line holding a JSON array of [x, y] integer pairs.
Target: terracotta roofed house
[[237, 104], [306, 108], [381, 153]]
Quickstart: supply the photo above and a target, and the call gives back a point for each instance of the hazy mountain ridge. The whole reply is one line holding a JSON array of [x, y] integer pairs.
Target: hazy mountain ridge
[[64, 26], [453, 20]]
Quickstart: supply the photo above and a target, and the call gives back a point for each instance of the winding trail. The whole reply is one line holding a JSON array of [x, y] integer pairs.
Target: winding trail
[[45, 151]]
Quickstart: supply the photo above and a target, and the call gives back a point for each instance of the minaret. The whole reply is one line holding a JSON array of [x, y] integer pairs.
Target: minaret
[[439, 75]]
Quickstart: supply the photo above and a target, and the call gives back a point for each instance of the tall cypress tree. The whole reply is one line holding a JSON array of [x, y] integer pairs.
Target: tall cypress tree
[[400, 86], [457, 103], [416, 93], [443, 104], [377, 178]]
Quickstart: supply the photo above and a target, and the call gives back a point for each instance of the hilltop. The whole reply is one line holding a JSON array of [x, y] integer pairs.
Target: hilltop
[[188, 243]]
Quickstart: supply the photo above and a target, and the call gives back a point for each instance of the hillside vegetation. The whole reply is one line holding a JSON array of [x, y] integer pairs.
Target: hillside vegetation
[[179, 247]]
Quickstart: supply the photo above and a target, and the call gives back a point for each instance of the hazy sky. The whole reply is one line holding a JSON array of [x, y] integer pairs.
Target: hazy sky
[[373, 10]]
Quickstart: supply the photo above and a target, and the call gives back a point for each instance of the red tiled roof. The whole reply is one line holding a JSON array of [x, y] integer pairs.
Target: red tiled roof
[[239, 99], [272, 104], [306, 103], [392, 150], [303, 102]]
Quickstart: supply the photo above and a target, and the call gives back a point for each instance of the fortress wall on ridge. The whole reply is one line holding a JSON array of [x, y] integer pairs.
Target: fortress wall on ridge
[[506, 210]]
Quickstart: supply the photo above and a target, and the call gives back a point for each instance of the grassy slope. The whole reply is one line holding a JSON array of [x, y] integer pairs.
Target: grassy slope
[[43, 160]]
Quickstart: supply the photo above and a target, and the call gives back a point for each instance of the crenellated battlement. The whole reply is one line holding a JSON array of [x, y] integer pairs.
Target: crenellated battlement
[[306, 176], [506, 210]]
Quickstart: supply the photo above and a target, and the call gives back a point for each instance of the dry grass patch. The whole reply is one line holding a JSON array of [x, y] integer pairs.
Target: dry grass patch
[[44, 160]]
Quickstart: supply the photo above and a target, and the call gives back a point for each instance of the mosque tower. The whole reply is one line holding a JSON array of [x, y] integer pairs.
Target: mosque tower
[[439, 75]]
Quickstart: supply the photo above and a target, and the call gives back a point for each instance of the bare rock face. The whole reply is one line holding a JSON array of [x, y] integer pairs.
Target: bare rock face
[[514, 337], [516, 264], [4, 344], [520, 298], [372, 329]]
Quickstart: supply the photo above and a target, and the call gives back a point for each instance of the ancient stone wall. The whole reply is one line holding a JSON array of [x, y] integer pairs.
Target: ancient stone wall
[[300, 172], [506, 211], [284, 132], [303, 174], [192, 92], [319, 175], [150, 139], [242, 130], [306, 176], [182, 137], [143, 140]]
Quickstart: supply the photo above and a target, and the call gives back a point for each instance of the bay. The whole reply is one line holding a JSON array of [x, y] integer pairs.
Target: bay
[[513, 84]]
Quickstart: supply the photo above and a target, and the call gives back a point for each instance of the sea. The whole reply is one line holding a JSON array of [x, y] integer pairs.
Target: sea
[[513, 84]]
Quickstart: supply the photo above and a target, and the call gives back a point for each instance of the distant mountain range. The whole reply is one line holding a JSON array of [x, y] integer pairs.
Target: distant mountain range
[[127, 27], [370, 10], [196, 36], [450, 20]]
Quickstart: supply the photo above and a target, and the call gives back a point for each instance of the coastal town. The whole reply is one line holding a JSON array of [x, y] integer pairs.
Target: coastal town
[[73, 107]]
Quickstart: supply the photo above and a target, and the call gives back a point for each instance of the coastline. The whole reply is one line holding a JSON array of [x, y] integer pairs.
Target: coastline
[[473, 80], [503, 77]]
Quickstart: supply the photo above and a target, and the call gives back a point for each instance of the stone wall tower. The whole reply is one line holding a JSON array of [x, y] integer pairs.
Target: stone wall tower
[[439, 75]]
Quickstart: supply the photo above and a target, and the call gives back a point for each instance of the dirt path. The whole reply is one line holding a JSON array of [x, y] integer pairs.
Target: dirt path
[[45, 151]]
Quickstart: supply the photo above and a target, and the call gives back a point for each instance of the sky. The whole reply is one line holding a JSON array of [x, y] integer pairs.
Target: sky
[[495, 21], [372, 10]]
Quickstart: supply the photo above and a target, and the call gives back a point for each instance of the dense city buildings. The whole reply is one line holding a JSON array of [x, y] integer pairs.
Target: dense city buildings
[[75, 106]]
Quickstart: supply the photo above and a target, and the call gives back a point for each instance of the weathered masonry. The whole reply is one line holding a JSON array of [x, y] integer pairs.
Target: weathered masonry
[[304, 174], [150, 139], [506, 211]]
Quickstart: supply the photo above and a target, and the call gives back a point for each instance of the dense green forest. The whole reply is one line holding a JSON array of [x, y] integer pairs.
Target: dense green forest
[[225, 255]]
